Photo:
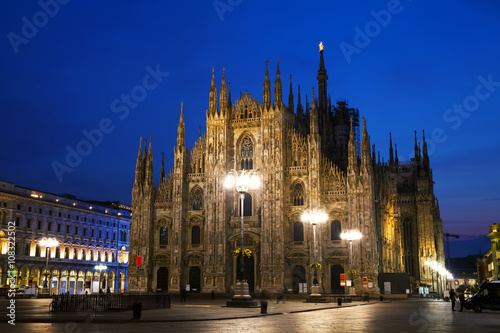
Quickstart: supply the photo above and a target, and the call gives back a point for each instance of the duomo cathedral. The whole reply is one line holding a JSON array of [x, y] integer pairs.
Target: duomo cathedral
[[313, 155]]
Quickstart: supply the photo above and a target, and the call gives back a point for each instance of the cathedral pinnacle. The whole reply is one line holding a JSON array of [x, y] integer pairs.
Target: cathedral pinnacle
[[266, 96], [162, 172], [180, 128], [223, 94], [290, 97], [139, 166], [322, 86], [212, 104], [278, 92], [391, 152]]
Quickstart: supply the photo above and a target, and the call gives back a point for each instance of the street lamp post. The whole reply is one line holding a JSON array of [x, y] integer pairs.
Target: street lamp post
[[441, 272], [350, 235], [242, 182], [48, 243], [314, 217]]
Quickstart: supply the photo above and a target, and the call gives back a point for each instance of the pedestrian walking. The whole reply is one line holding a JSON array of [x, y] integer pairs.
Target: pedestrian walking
[[461, 297], [452, 299], [212, 294]]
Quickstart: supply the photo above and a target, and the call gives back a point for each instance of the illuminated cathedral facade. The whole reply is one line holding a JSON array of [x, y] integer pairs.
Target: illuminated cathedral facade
[[186, 227]]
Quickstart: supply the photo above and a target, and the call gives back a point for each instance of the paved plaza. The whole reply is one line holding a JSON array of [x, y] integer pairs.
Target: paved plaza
[[293, 316]]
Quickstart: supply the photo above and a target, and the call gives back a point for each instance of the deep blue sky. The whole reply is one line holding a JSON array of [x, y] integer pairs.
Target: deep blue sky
[[415, 66]]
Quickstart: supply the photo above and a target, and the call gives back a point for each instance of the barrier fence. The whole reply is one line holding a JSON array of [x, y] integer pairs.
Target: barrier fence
[[107, 302]]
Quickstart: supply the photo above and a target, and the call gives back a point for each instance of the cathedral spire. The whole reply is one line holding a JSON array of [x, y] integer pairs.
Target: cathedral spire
[[352, 154], [313, 122], [425, 160], [139, 166], [180, 129], [322, 78], [149, 165], [266, 96], [416, 149], [290, 97], [299, 107], [223, 94], [374, 158], [391, 152], [162, 172], [365, 146], [278, 91], [212, 108]]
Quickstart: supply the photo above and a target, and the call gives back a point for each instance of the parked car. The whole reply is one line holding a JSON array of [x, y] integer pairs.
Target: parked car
[[488, 297]]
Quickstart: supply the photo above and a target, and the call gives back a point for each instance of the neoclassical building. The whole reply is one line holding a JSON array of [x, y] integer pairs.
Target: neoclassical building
[[186, 226], [89, 234]]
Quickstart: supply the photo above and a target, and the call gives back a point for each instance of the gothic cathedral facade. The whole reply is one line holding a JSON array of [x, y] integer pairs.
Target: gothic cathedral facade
[[186, 227]]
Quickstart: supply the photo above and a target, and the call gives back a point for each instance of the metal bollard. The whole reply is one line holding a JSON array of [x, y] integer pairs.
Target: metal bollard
[[263, 307], [339, 301]]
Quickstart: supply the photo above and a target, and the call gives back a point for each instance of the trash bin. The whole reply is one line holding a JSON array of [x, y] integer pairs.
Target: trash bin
[[381, 298], [263, 307], [339, 301], [137, 310]]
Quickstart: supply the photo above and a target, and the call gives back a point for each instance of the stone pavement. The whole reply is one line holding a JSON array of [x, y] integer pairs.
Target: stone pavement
[[192, 310]]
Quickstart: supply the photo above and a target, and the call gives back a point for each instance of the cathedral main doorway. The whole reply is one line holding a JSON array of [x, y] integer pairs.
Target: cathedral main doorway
[[162, 280], [335, 271], [195, 279]]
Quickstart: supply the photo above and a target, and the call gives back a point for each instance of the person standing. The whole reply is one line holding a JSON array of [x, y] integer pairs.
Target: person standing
[[461, 297], [452, 299]]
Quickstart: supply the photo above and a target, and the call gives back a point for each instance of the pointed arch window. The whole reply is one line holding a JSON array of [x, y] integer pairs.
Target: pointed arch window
[[298, 232], [298, 195], [195, 235], [164, 236], [408, 246], [197, 199], [335, 230], [246, 154], [247, 205]]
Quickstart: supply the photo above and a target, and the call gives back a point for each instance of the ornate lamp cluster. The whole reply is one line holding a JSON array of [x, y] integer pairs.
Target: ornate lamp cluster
[[350, 235], [245, 180], [48, 243]]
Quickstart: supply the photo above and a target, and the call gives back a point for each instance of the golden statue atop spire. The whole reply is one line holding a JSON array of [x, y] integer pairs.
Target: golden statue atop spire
[[320, 46]]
